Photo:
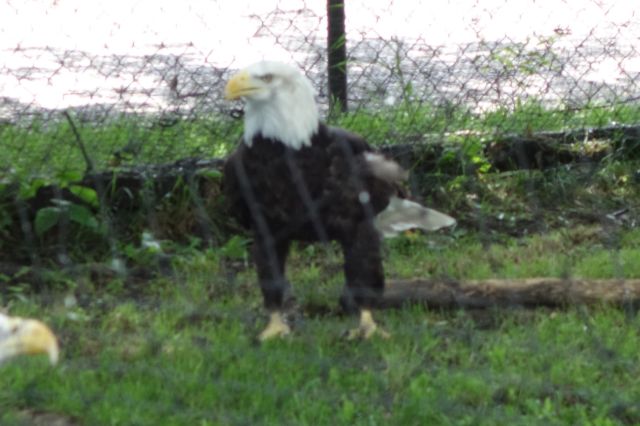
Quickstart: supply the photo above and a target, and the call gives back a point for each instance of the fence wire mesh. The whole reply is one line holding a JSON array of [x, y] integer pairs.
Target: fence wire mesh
[[520, 119], [466, 54]]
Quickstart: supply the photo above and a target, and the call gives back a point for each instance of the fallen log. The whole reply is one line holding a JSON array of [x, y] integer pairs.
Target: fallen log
[[528, 293], [433, 293], [508, 152]]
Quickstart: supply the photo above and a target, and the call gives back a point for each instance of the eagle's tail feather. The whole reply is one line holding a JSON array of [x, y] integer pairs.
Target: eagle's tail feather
[[402, 214], [385, 169]]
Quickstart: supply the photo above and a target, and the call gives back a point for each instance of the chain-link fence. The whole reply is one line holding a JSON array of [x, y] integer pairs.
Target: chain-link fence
[[520, 119], [469, 54], [153, 76]]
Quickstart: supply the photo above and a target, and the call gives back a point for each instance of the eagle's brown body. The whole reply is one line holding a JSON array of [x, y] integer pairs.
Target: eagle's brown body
[[293, 178], [325, 191]]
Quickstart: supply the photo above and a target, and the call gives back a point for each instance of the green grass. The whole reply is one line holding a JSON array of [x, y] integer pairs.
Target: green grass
[[416, 120], [183, 350], [49, 150]]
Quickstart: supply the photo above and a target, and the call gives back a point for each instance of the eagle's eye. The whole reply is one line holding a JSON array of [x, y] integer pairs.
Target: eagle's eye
[[267, 78]]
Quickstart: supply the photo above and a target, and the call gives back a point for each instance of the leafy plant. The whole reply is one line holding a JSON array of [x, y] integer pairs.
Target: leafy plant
[[48, 217], [235, 248]]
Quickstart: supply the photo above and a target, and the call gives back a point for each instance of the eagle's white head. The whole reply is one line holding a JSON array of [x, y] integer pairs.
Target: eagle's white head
[[23, 336], [280, 103]]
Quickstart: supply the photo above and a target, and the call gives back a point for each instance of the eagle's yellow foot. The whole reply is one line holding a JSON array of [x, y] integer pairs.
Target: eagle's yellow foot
[[367, 328], [276, 327]]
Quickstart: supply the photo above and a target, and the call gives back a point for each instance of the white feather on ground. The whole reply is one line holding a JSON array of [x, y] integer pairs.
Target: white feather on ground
[[402, 215]]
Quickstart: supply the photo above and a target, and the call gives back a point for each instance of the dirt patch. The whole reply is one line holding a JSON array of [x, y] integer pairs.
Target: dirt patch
[[38, 418]]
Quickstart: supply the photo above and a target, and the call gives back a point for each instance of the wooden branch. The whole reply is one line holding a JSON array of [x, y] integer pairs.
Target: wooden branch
[[531, 292], [80, 143]]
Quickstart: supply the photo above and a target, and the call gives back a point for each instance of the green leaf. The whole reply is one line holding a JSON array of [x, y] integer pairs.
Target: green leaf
[[211, 173], [88, 195], [235, 248], [46, 218], [28, 189], [66, 176], [83, 216], [348, 411], [5, 219]]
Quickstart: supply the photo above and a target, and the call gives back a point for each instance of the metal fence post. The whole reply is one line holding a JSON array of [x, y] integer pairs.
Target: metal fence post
[[337, 55]]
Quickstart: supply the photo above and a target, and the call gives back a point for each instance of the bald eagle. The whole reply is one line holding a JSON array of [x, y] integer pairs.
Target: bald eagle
[[22, 336], [293, 178]]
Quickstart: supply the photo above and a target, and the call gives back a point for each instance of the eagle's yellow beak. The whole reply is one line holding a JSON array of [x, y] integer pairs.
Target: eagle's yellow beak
[[239, 85], [29, 337]]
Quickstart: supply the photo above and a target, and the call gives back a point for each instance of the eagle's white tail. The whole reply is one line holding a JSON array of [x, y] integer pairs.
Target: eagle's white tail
[[402, 215], [384, 168]]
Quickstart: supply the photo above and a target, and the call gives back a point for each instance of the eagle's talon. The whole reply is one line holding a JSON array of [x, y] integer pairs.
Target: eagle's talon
[[276, 328], [361, 333], [367, 328]]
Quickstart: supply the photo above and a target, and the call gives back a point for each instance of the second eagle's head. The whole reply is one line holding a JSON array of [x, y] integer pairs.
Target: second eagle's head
[[279, 103]]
